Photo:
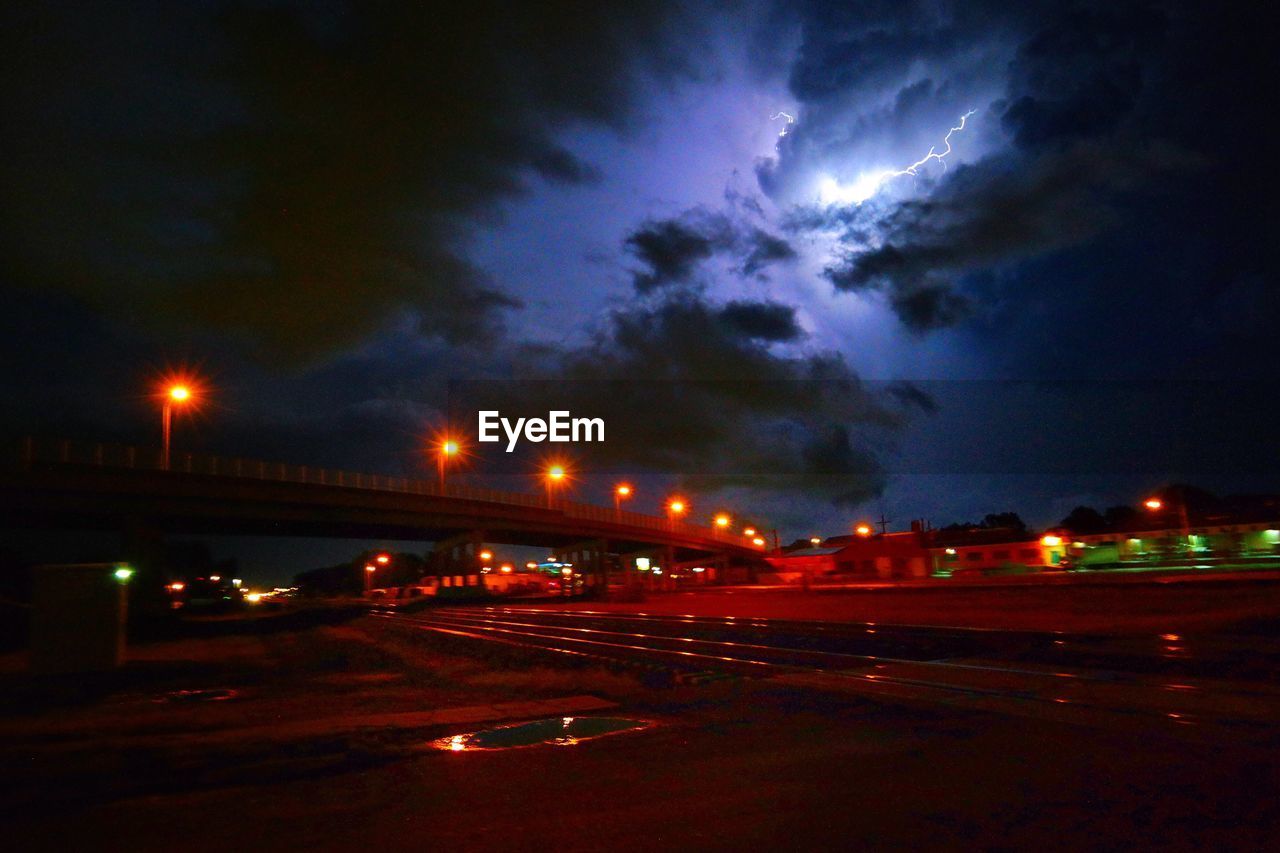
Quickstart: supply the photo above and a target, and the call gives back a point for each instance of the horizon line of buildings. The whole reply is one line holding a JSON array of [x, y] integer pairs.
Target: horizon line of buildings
[[1247, 533]]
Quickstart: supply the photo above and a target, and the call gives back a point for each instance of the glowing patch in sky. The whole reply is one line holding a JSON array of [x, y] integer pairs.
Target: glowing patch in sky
[[831, 191]]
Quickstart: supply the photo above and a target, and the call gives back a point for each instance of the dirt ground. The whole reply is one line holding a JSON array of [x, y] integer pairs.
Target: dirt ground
[[318, 738]]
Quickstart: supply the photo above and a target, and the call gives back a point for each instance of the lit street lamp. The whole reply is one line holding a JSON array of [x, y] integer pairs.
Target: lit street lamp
[[675, 508], [723, 521], [175, 395], [620, 494], [1155, 504], [448, 449], [369, 569], [555, 476]]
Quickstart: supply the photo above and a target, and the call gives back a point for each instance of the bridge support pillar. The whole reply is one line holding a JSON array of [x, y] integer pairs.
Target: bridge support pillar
[[714, 563], [458, 556], [142, 546], [590, 559], [635, 579]]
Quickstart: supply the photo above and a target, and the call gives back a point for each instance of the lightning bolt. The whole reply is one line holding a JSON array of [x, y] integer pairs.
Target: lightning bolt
[[868, 184], [933, 155], [790, 121]]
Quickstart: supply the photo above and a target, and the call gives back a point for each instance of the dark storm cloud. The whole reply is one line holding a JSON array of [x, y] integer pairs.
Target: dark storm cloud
[[298, 174], [766, 321], [692, 388], [1081, 74], [930, 307], [994, 213], [560, 166], [672, 249]]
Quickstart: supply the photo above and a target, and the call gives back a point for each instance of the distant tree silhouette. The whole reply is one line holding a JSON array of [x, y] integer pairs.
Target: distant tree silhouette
[[1084, 519], [1010, 520], [991, 521], [1188, 495], [1119, 516]]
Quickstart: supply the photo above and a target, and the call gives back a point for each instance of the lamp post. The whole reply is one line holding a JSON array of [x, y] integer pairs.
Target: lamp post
[[555, 476], [448, 449], [676, 507], [620, 493], [176, 395], [369, 569], [1156, 504]]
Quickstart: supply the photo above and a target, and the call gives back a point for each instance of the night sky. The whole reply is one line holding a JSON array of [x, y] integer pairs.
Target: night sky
[[332, 210]]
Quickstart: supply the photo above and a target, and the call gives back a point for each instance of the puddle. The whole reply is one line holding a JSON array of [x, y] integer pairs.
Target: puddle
[[217, 695], [559, 731]]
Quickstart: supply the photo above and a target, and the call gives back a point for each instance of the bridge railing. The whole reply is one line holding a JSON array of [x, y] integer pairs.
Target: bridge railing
[[34, 452]]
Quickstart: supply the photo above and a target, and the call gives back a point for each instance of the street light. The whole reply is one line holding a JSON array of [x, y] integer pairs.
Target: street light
[[447, 450], [1155, 504], [863, 530], [815, 540], [723, 521], [621, 493], [485, 556], [749, 531], [382, 559], [675, 508], [555, 476], [758, 542], [369, 569], [178, 394]]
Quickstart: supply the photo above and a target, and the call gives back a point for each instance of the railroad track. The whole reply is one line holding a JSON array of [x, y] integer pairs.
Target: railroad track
[[835, 657]]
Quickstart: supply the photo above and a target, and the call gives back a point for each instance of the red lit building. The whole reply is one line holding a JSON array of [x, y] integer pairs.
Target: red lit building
[[920, 553], [879, 555]]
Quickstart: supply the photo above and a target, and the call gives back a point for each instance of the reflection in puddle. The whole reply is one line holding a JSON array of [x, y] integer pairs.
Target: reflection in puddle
[[559, 731], [214, 695]]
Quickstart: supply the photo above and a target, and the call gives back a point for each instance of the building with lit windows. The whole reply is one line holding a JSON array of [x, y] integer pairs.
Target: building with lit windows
[[1200, 544], [988, 551]]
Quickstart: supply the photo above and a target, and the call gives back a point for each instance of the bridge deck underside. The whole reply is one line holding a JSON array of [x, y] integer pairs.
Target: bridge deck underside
[[70, 498]]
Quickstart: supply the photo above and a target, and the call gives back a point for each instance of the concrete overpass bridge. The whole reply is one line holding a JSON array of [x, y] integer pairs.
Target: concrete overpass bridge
[[70, 485]]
